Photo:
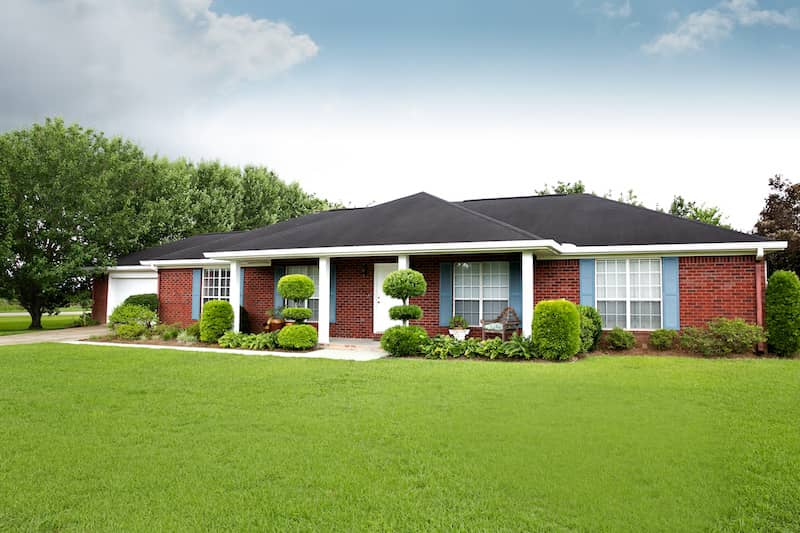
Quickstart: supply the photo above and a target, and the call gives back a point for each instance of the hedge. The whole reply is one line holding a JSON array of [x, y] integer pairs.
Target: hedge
[[217, 318], [297, 337], [556, 329], [783, 313], [404, 340]]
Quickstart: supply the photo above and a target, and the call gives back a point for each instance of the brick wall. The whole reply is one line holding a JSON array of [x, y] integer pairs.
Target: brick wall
[[259, 296], [175, 296], [354, 294], [429, 302], [557, 279], [100, 299], [712, 287]]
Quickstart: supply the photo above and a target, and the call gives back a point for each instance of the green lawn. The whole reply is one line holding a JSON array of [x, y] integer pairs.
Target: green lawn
[[97, 438], [10, 325], [15, 308]]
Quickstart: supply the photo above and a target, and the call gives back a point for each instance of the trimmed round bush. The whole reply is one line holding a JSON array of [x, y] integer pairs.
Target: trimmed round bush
[[591, 327], [129, 331], [556, 329], [217, 318], [405, 312], [783, 313], [400, 341], [149, 301], [618, 339], [404, 284], [663, 339], [297, 337], [132, 314], [296, 287], [298, 314]]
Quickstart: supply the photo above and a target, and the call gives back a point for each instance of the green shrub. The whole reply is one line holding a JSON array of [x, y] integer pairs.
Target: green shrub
[[85, 319], [194, 330], [296, 287], [783, 313], [217, 318], [298, 314], [591, 328], [722, 336], [261, 341], [492, 348], [405, 312], [149, 301], [663, 339], [132, 314], [232, 339], [556, 329], [404, 284], [297, 337], [518, 347], [167, 332], [458, 322], [404, 340], [186, 337], [618, 339], [438, 347], [130, 331]]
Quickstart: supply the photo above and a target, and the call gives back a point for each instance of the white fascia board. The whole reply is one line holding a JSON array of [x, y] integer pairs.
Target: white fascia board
[[130, 268], [184, 263], [389, 249], [703, 248]]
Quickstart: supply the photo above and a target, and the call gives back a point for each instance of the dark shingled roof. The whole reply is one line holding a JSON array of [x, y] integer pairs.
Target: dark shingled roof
[[580, 219]]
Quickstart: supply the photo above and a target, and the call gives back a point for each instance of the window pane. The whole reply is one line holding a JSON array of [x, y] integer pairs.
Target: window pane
[[612, 313], [470, 310], [645, 315], [313, 304], [493, 308], [216, 284]]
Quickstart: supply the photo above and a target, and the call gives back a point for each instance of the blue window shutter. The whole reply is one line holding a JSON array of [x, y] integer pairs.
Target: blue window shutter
[[670, 296], [277, 273], [333, 294], [445, 293], [515, 288], [241, 287], [197, 280], [587, 281]]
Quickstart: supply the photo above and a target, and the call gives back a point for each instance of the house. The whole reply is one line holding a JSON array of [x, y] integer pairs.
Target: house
[[642, 269]]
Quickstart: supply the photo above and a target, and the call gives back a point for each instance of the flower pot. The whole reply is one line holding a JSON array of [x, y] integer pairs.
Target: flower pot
[[459, 334], [274, 324]]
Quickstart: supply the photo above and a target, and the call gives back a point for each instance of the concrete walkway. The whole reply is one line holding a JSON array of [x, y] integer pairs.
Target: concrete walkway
[[341, 354], [53, 335]]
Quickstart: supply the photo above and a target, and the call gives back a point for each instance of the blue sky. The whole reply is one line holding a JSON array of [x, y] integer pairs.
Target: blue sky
[[364, 101]]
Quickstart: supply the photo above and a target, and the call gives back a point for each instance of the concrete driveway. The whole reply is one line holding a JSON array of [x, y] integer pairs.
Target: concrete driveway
[[53, 335]]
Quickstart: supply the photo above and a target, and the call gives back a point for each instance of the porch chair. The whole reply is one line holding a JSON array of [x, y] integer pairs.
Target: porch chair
[[507, 320]]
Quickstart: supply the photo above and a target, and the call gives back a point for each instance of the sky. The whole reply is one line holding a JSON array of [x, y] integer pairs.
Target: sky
[[363, 101]]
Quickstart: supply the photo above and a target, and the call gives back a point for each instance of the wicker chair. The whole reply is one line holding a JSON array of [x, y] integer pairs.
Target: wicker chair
[[507, 320]]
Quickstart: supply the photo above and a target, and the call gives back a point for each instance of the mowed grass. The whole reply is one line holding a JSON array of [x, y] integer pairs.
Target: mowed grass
[[97, 438], [11, 325]]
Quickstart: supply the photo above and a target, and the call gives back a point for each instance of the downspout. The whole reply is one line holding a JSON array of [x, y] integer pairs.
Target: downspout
[[760, 293]]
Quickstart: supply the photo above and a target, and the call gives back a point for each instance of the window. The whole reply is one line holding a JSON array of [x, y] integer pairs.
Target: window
[[629, 293], [216, 284], [480, 290], [312, 271]]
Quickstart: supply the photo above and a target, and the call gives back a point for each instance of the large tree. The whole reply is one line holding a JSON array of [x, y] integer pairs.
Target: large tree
[[780, 220], [72, 201], [694, 211]]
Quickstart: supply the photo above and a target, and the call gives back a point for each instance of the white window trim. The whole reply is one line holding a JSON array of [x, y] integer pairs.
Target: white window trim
[[304, 302], [480, 290], [628, 298], [203, 298]]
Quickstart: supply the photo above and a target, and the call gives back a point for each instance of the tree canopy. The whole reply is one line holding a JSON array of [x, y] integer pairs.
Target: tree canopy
[[72, 201], [780, 220]]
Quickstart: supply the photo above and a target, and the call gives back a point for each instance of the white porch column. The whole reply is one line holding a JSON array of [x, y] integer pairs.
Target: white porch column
[[403, 262], [236, 294], [324, 324], [527, 293]]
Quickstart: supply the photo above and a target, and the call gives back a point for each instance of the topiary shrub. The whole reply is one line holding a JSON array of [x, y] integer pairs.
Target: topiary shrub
[[149, 301], [556, 329], [296, 287], [591, 327], [405, 284], [401, 341], [298, 314], [405, 312], [783, 313], [297, 337], [217, 318], [663, 339], [722, 336], [618, 339]]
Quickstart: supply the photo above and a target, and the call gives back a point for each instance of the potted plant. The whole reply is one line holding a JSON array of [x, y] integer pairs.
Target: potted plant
[[275, 319], [459, 328]]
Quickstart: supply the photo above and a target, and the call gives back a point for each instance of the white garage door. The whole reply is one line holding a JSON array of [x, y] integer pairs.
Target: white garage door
[[120, 286]]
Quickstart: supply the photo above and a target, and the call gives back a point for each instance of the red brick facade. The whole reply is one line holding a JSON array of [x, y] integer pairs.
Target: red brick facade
[[709, 287], [175, 296], [100, 299], [557, 279], [712, 287]]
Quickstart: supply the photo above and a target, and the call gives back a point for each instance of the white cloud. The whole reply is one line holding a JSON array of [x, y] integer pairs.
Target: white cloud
[[616, 10], [715, 24], [104, 59]]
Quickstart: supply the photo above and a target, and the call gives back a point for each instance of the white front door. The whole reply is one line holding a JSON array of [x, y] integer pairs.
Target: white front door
[[380, 302]]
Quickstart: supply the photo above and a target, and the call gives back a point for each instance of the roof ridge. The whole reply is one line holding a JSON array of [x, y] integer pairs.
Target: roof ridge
[[494, 220]]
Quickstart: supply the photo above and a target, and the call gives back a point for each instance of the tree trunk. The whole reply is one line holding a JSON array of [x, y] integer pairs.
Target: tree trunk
[[36, 318]]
